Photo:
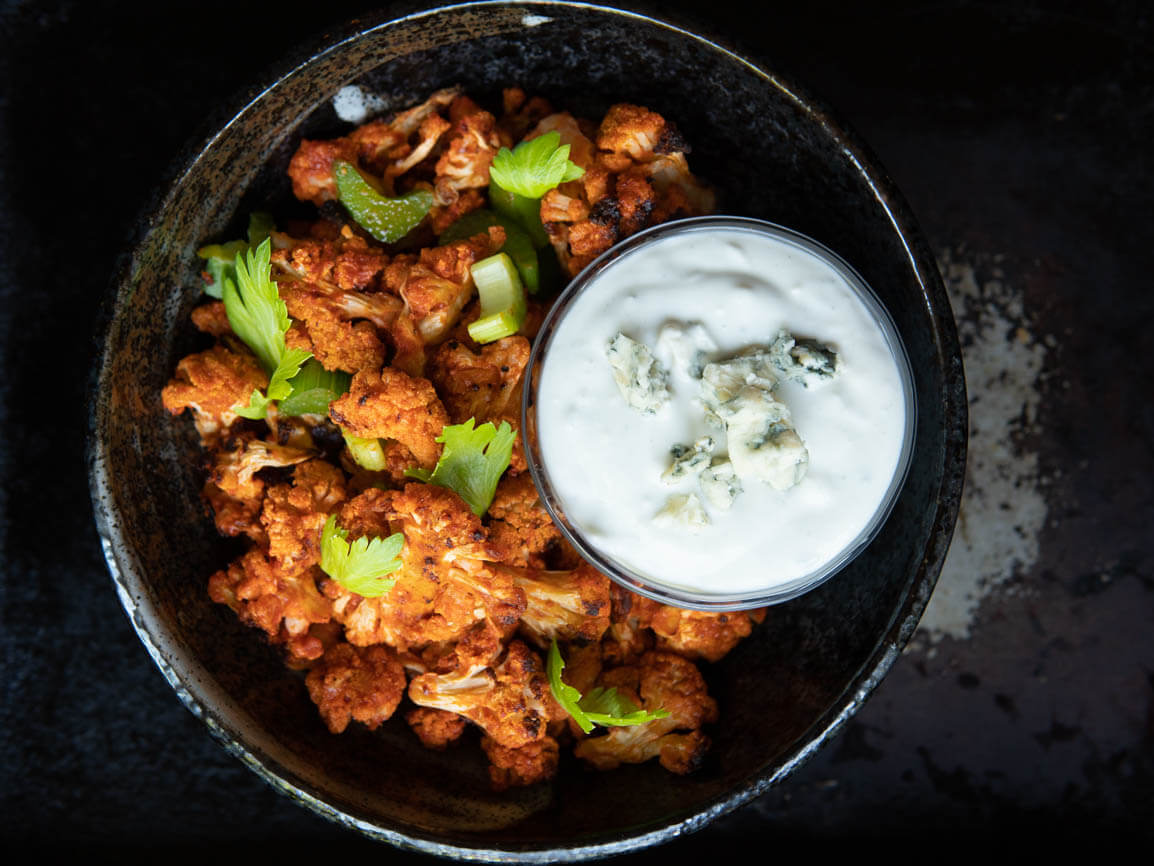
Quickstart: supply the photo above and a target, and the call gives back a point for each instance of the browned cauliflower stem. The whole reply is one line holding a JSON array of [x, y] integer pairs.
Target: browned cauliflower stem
[[459, 640]]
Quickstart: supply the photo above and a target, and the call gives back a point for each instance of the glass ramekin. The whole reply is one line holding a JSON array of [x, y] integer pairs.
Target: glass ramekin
[[626, 575]]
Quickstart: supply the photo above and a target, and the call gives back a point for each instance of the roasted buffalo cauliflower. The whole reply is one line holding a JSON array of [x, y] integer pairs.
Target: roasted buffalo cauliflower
[[460, 609]]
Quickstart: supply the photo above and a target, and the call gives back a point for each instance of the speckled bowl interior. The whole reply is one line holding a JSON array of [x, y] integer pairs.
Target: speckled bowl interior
[[773, 154]]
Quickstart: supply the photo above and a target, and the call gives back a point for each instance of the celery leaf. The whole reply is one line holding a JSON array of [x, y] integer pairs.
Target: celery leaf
[[534, 167], [362, 566], [260, 318], [472, 461], [606, 707]]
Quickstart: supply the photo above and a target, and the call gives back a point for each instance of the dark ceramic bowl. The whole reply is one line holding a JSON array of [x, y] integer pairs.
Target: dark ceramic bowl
[[773, 154]]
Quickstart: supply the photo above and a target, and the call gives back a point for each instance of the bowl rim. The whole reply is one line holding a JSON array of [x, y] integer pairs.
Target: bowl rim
[[166, 651], [633, 579]]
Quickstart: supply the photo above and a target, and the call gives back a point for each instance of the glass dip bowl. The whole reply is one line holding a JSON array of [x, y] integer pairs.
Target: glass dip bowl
[[813, 486]]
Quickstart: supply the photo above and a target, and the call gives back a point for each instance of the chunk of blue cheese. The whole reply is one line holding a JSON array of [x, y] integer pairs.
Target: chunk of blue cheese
[[762, 442], [689, 460], [720, 484], [640, 378], [801, 360], [682, 511]]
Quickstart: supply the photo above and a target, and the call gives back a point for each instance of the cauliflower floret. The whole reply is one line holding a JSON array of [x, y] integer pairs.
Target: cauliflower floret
[[520, 113], [234, 491], [519, 527], [342, 264], [628, 636], [294, 514], [440, 591], [436, 729], [322, 324], [428, 136], [665, 681], [465, 161], [437, 285], [212, 384], [632, 133], [526, 765], [511, 702], [702, 634], [211, 319], [561, 605], [393, 405], [267, 595], [350, 683], [484, 385]]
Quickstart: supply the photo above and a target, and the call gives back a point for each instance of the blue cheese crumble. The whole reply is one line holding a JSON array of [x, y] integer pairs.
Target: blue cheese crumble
[[640, 378], [682, 512], [689, 460], [720, 484], [762, 442], [802, 361]]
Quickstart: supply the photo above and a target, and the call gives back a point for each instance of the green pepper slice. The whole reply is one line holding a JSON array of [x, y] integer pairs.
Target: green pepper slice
[[386, 219]]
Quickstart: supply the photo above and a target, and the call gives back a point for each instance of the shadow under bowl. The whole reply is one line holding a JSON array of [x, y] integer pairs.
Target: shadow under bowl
[[773, 154]]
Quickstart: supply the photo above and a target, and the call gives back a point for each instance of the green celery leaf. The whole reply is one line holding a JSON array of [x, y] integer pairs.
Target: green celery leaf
[[472, 461], [601, 706], [361, 567], [289, 365], [567, 696], [313, 389], [220, 265], [220, 259], [254, 307], [257, 407], [259, 317], [534, 167]]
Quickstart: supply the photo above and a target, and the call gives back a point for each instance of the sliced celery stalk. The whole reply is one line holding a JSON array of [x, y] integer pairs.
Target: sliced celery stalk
[[368, 453], [526, 211], [490, 328], [502, 299], [517, 242]]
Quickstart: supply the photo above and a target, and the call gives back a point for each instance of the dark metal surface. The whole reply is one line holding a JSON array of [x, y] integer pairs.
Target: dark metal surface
[[1020, 135]]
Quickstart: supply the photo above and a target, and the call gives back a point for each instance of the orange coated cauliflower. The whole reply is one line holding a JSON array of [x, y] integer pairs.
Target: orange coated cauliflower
[[233, 489], [280, 601], [700, 634], [525, 765], [213, 384], [670, 682], [520, 529], [561, 605], [444, 546], [436, 729], [393, 405], [510, 702], [363, 684], [294, 514]]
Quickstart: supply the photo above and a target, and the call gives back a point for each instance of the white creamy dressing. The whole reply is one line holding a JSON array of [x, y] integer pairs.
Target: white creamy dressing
[[605, 460]]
